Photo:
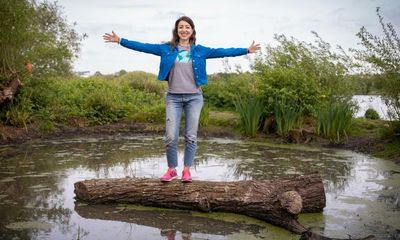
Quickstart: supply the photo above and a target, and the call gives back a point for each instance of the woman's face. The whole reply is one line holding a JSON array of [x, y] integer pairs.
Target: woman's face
[[184, 30]]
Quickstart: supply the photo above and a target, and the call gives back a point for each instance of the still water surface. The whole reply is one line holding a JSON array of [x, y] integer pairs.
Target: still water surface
[[37, 199]]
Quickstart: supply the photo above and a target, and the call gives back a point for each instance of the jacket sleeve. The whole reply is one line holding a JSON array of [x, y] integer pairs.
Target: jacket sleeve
[[225, 52], [142, 47]]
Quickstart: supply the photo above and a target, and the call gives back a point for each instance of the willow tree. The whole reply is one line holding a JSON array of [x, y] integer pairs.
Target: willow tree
[[37, 33], [382, 53]]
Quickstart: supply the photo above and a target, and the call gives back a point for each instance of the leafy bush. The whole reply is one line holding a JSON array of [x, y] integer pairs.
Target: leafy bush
[[371, 114], [290, 84], [100, 109], [152, 113], [302, 73], [143, 81], [94, 100], [250, 110], [19, 111], [222, 89], [46, 126]]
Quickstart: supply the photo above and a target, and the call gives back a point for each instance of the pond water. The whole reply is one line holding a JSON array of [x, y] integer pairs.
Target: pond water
[[37, 199]]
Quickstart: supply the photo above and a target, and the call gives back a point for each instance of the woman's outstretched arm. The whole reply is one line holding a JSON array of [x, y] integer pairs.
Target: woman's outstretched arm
[[232, 52], [134, 45]]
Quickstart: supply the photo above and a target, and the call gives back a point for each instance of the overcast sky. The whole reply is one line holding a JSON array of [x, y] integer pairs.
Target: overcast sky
[[219, 23]]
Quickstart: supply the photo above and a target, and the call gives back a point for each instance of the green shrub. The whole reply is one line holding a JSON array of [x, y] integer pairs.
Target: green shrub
[[250, 110], [395, 128], [371, 114], [100, 109], [152, 113], [302, 73], [222, 88], [46, 126], [289, 84], [19, 116], [19, 112], [94, 100], [143, 81], [334, 120]]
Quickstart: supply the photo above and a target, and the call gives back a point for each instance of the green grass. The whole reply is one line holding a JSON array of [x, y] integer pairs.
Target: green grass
[[369, 127], [391, 150], [218, 117]]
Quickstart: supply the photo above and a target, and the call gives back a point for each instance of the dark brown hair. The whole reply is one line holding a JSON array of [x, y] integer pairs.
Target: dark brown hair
[[175, 38]]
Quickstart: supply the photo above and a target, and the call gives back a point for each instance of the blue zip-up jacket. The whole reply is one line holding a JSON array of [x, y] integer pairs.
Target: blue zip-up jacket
[[199, 55]]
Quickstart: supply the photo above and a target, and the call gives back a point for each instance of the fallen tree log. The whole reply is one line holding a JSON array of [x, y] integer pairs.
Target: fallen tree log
[[7, 93], [278, 202]]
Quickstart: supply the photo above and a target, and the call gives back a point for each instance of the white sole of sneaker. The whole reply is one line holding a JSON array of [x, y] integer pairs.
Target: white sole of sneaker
[[169, 180]]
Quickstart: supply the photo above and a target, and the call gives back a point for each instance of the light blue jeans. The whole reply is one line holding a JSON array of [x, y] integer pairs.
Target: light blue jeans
[[191, 105]]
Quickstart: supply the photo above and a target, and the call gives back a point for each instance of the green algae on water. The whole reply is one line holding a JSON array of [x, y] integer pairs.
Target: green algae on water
[[29, 225]]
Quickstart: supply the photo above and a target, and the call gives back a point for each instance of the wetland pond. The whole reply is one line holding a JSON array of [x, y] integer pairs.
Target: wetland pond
[[37, 199]]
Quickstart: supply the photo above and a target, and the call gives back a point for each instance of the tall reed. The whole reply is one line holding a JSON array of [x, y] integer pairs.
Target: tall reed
[[204, 115], [334, 120], [250, 110], [288, 116]]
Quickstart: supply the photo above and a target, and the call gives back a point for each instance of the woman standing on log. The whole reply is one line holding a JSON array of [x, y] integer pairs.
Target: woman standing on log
[[183, 65]]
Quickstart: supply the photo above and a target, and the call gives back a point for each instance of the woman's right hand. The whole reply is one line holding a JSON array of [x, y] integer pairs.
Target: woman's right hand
[[111, 37]]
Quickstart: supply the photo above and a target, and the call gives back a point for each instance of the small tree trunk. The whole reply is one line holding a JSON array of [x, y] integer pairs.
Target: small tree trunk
[[8, 92]]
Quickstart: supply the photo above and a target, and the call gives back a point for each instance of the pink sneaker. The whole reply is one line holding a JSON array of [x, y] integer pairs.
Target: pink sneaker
[[186, 176], [169, 175]]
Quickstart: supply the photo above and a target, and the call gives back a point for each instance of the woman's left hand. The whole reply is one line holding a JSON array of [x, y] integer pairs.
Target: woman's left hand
[[253, 47]]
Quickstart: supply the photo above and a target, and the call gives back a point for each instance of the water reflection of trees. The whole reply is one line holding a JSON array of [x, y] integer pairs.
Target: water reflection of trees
[[33, 194], [265, 163]]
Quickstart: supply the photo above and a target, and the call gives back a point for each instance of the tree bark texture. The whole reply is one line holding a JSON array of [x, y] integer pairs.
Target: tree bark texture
[[7, 93], [277, 202]]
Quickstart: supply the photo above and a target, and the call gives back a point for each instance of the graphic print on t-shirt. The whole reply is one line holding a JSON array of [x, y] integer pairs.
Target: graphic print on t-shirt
[[184, 56]]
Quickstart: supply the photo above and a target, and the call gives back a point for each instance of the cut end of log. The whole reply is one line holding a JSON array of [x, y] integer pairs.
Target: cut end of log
[[81, 191], [291, 201], [204, 205]]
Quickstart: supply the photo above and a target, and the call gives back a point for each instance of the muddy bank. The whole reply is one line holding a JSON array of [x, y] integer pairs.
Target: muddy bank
[[14, 135]]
